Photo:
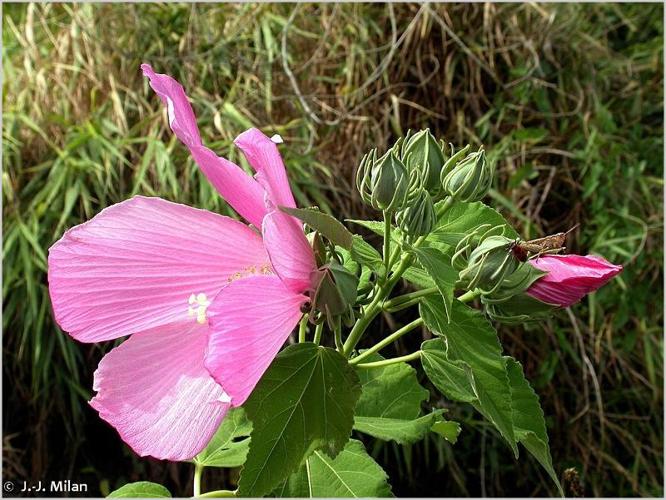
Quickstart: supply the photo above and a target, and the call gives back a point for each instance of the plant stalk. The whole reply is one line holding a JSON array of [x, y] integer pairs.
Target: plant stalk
[[374, 308], [469, 295], [392, 361], [406, 300], [302, 329], [317, 334], [387, 241], [218, 494], [388, 340], [198, 471]]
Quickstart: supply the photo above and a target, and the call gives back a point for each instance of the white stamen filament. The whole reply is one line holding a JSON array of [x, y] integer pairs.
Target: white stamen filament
[[198, 305]]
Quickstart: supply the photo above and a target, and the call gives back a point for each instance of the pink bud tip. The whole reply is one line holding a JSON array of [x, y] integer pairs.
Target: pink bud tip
[[570, 277]]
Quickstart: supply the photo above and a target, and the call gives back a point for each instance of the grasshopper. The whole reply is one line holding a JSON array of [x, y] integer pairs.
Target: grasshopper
[[553, 243]]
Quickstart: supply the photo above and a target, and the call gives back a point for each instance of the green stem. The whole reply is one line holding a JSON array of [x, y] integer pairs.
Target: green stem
[[338, 335], [469, 295], [218, 494], [406, 300], [388, 340], [302, 329], [198, 471], [374, 308], [317, 334], [387, 241], [444, 206], [392, 361]]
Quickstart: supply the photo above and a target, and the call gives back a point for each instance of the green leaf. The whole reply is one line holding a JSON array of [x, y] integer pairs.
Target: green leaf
[[528, 420], [141, 489], [364, 253], [230, 444], [327, 225], [418, 277], [373, 225], [390, 404], [353, 473], [304, 401], [391, 391], [450, 378], [448, 429], [462, 218], [396, 429], [473, 348], [439, 268]]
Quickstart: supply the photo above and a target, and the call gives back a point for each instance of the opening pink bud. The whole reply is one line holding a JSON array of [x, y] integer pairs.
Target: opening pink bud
[[570, 277]]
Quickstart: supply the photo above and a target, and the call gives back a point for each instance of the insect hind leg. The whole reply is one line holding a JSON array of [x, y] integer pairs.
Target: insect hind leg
[[547, 252]]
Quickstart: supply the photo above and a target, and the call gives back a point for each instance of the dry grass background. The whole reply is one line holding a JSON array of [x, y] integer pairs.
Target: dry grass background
[[567, 98]]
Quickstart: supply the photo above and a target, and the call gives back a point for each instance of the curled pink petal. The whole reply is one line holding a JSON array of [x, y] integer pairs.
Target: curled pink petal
[[289, 250], [155, 391], [242, 192], [136, 264], [263, 155], [570, 277], [238, 188], [250, 319]]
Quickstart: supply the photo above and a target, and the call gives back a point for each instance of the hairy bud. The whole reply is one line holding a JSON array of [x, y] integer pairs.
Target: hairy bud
[[470, 179], [489, 264], [384, 182], [520, 308], [422, 152], [418, 218]]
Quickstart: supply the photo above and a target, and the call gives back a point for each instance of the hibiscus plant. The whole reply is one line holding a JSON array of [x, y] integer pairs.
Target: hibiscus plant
[[209, 302]]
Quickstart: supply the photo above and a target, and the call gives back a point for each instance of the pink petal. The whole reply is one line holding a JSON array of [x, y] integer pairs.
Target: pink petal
[[289, 250], [155, 391], [570, 277], [250, 320], [238, 188], [263, 155], [135, 265]]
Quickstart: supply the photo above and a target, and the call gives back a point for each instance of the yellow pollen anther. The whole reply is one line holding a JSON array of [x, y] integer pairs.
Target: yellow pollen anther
[[250, 271]]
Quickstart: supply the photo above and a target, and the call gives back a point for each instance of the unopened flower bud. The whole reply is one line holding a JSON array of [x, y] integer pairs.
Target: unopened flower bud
[[363, 184], [514, 284], [511, 304], [423, 153], [383, 182], [520, 308], [489, 264], [471, 179], [390, 183], [470, 241], [547, 283], [418, 218]]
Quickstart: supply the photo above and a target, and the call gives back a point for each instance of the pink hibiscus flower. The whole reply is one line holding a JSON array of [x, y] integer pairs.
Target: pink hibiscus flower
[[570, 277], [207, 301]]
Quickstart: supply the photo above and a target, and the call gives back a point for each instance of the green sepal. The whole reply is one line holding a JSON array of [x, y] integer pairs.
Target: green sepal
[[327, 225]]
